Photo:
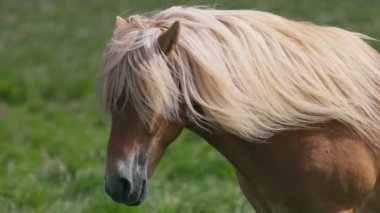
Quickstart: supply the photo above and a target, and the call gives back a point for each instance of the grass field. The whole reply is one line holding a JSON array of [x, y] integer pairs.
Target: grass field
[[52, 139]]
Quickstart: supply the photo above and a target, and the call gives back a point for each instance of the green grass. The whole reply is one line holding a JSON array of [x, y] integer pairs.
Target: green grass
[[52, 139]]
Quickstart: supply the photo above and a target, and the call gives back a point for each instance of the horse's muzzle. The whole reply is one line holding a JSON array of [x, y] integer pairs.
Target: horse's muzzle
[[128, 185]]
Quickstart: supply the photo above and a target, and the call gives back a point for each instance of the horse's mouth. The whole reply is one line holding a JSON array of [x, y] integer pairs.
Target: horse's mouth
[[137, 200]]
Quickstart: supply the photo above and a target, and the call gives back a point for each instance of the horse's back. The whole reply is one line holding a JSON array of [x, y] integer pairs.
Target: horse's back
[[328, 169]]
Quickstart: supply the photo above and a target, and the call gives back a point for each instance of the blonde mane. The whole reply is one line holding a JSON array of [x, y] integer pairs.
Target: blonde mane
[[252, 73]]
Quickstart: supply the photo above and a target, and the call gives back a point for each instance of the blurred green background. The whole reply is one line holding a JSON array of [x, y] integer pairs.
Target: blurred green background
[[52, 139]]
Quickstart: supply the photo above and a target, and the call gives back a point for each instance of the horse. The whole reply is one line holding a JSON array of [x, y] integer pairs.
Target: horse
[[293, 106]]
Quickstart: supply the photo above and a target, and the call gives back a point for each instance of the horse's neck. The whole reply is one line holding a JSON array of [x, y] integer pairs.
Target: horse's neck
[[249, 157], [236, 150]]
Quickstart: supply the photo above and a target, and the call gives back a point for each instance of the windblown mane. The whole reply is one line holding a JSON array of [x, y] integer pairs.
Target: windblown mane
[[252, 73]]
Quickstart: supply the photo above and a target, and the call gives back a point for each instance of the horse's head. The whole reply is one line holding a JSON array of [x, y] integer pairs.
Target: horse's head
[[134, 150], [135, 147]]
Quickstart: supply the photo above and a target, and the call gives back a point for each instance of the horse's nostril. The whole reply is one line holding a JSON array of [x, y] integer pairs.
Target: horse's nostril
[[125, 185], [121, 190], [118, 188]]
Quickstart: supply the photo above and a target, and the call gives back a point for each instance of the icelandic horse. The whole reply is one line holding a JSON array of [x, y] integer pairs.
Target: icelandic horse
[[292, 105]]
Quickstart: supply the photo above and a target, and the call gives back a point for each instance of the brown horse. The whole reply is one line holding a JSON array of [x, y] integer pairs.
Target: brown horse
[[293, 106]]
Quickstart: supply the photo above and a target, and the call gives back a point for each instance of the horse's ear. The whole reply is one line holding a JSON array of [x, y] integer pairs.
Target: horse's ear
[[168, 40], [119, 22]]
